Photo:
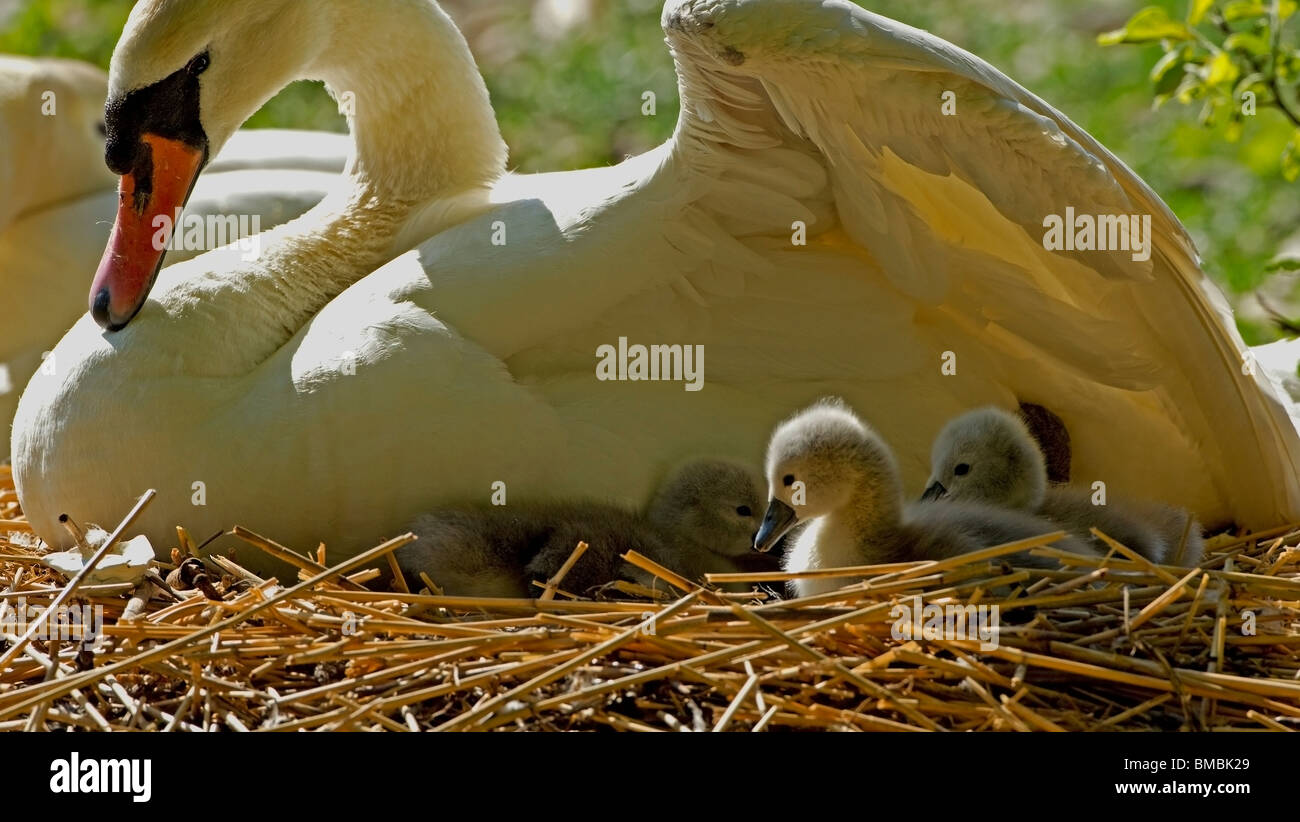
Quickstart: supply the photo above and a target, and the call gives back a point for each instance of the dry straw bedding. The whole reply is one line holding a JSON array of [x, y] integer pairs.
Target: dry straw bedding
[[1114, 643]]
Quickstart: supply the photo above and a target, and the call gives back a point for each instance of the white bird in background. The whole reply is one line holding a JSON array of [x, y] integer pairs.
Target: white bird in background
[[57, 200], [51, 127], [435, 330], [1280, 360]]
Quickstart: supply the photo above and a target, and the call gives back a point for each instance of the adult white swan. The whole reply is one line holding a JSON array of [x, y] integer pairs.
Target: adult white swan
[[59, 198], [339, 384]]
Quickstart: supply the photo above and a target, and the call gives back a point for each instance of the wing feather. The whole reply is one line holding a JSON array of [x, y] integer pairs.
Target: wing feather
[[952, 208]]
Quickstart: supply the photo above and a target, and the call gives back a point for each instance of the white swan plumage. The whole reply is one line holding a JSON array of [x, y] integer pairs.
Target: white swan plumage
[[59, 200], [390, 352]]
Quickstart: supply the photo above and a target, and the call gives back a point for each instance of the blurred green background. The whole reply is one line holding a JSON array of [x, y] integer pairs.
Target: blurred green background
[[567, 76]]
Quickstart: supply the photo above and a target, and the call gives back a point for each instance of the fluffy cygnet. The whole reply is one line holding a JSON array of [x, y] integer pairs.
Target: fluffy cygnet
[[702, 520], [827, 467], [987, 455]]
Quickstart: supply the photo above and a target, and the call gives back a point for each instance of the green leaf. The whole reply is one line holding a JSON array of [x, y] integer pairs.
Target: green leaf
[[1291, 158], [1248, 44], [1168, 72], [1247, 9], [1210, 112], [1288, 67], [1197, 11], [1251, 82], [1168, 84], [1232, 133], [1284, 264], [1243, 10], [1190, 89], [1221, 71], [1147, 26]]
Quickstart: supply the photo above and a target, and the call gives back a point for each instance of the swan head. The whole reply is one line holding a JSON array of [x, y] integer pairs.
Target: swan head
[[710, 505], [823, 460], [184, 76], [987, 455]]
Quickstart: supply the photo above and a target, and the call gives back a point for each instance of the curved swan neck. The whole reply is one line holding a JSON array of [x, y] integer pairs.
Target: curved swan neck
[[416, 103], [428, 150]]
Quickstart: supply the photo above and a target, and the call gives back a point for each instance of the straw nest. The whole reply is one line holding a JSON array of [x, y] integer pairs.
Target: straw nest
[[1097, 644]]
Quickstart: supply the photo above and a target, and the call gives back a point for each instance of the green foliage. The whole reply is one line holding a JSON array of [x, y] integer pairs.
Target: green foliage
[[1150, 25], [1284, 264], [575, 100], [1232, 57], [83, 29]]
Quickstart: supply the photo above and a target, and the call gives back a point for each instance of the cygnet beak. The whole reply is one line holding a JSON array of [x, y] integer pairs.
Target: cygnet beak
[[935, 491], [778, 520]]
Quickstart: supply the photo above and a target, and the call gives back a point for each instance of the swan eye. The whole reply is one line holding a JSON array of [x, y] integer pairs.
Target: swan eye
[[961, 470], [102, 128], [199, 64], [744, 511], [788, 479]]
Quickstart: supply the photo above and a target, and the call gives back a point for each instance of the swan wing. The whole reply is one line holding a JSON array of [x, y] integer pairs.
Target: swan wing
[[942, 174]]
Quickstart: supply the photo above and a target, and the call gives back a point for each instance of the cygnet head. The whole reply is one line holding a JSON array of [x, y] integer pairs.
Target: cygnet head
[[822, 460], [987, 455], [709, 505]]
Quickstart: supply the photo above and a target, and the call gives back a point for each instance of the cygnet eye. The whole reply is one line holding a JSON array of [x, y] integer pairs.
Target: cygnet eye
[[744, 511], [788, 479], [199, 64], [962, 469]]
